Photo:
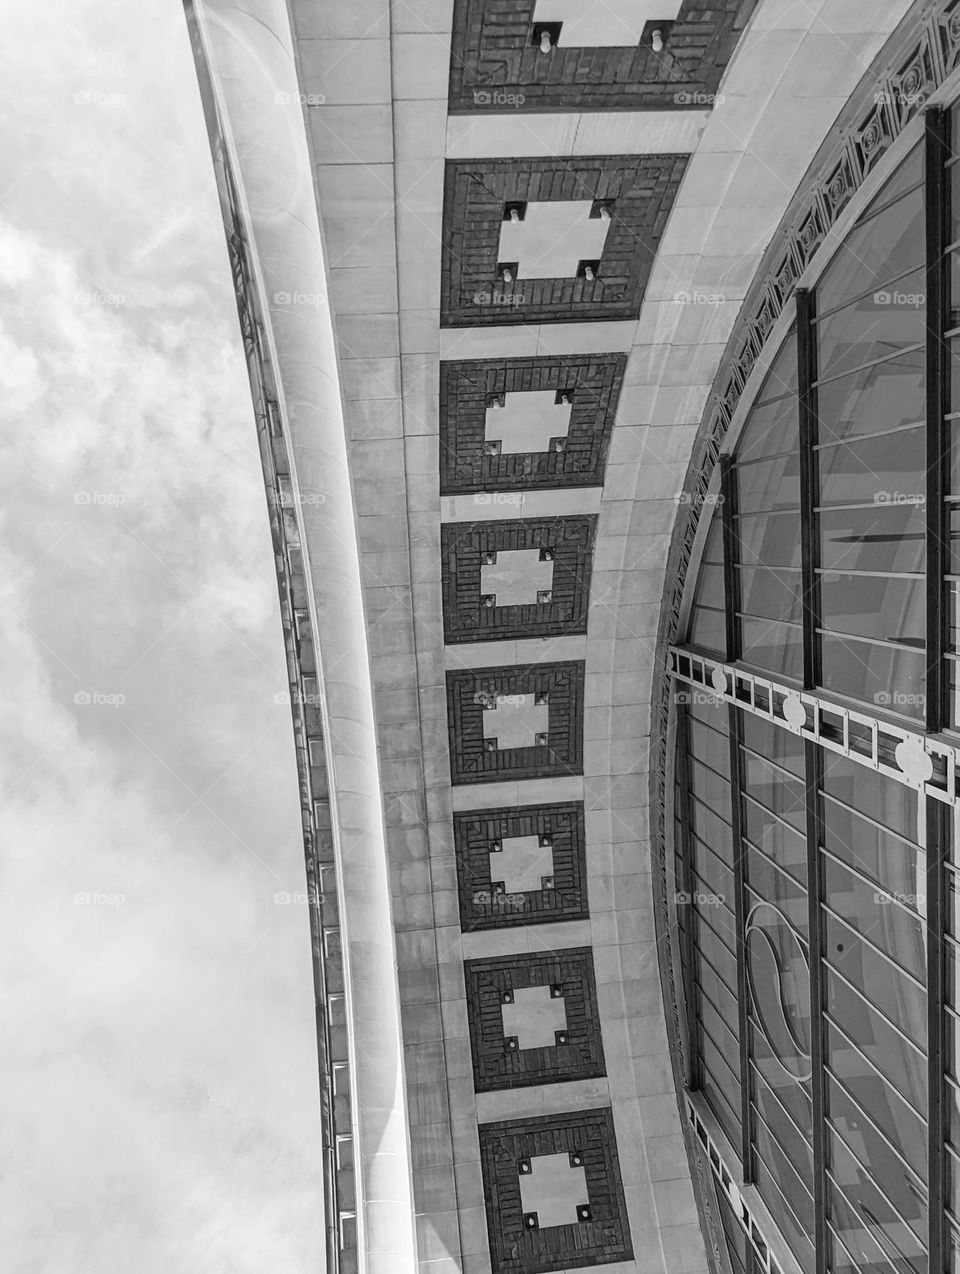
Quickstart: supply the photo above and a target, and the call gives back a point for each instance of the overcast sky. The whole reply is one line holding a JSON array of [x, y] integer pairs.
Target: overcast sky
[[158, 1070]]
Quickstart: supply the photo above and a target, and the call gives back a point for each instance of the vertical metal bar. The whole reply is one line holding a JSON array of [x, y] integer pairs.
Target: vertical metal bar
[[809, 480], [812, 772], [731, 556], [936, 193], [939, 831], [694, 1071], [740, 909]]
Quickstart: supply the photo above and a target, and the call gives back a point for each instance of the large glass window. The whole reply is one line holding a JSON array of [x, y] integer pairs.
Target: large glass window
[[823, 931]]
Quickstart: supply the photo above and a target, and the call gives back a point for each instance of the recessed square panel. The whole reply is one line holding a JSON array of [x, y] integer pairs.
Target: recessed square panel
[[522, 865], [479, 453], [615, 55], [534, 421], [543, 1163], [527, 578], [480, 286], [610, 24], [533, 1019], [556, 687], [552, 239]]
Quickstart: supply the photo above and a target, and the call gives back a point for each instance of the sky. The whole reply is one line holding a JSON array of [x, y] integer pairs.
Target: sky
[[158, 1077]]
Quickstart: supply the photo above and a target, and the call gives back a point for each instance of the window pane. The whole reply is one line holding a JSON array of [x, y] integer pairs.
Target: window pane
[[888, 537], [774, 647], [769, 539], [882, 248], [880, 676], [888, 608], [886, 470], [883, 800], [881, 1219], [769, 484], [902, 1064], [878, 325], [892, 928], [878, 397], [772, 427], [770, 593]]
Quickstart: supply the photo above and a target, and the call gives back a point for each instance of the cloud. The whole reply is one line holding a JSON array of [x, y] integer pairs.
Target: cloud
[[160, 1082]]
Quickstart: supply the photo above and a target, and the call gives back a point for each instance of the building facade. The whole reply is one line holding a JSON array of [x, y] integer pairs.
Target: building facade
[[602, 358]]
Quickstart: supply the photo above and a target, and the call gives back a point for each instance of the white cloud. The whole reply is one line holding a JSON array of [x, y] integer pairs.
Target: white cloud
[[160, 1082]]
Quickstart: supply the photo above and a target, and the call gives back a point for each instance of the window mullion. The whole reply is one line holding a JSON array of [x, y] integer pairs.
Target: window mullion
[[809, 484], [813, 762]]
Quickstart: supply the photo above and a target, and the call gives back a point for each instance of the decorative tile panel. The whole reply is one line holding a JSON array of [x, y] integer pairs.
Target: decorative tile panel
[[546, 698], [632, 193], [516, 579], [539, 1149], [497, 63], [533, 1019], [471, 460], [490, 896]]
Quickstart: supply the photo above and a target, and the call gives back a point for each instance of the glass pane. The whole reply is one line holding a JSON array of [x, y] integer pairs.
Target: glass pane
[[770, 593], [784, 795], [889, 469], [888, 537], [769, 539], [711, 788], [903, 1064], [883, 248], [878, 397], [889, 609], [874, 674], [889, 926], [773, 743], [707, 623], [711, 748], [881, 799], [769, 484], [773, 647], [775, 886], [771, 428], [881, 324], [781, 379], [712, 830], [881, 1218], [901, 1126], [786, 846]]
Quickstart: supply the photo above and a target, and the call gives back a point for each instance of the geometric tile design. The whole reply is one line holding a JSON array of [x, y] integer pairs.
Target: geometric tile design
[[468, 463], [636, 193], [519, 1037], [559, 831], [471, 550], [548, 696], [497, 65], [518, 1243]]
